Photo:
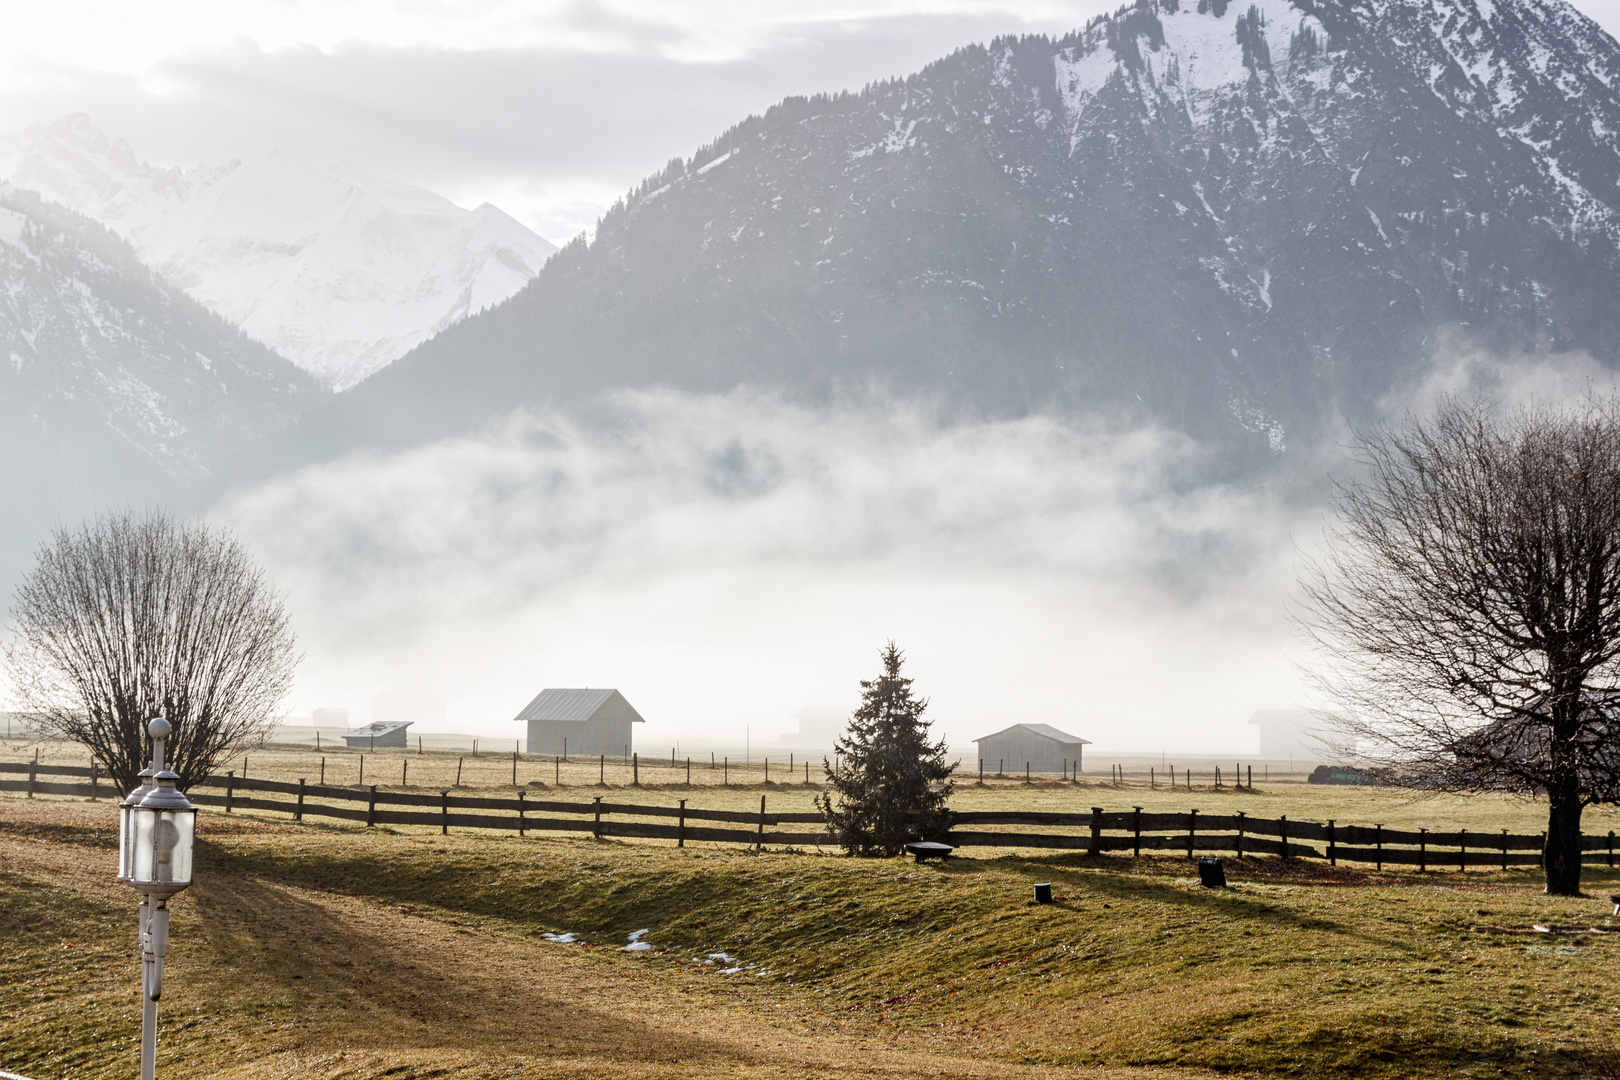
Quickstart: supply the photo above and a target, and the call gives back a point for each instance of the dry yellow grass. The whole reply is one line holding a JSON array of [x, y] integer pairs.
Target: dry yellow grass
[[492, 773], [345, 952]]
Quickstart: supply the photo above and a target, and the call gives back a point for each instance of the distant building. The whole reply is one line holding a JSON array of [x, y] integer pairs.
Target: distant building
[[579, 722], [377, 736], [1042, 747], [1288, 734], [819, 727]]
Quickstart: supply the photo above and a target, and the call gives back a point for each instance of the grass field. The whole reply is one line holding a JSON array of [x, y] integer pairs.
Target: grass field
[[492, 773], [343, 952]]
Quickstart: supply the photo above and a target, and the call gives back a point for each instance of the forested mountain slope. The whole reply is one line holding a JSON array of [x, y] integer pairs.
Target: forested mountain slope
[[1242, 220]]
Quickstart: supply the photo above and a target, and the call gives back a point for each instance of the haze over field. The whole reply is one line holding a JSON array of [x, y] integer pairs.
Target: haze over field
[[1036, 361]]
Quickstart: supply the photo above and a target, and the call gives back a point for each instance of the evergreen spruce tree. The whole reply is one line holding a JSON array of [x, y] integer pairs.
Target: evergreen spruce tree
[[890, 784]]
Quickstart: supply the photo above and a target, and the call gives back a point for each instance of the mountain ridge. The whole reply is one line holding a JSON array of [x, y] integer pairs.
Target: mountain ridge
[[115, 388], [338, 270]]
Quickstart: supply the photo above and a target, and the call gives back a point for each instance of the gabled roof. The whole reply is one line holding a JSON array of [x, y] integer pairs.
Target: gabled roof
[[1045, 731], [576, 706], [381, 727]]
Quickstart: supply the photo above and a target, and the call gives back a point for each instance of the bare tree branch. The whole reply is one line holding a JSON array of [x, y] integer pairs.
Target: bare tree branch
[[133, 617], [1469, 603]]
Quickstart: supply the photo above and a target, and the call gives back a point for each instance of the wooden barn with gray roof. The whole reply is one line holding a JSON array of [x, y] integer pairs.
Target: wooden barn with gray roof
[[1040, 747], [579, 722]]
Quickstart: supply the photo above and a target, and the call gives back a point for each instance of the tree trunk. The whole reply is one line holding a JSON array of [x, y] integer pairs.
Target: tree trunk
[[1562, 854]]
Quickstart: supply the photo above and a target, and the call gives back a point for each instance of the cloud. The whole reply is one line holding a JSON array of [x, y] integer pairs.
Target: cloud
[[552, 125], [1459, 368], [726, 560]]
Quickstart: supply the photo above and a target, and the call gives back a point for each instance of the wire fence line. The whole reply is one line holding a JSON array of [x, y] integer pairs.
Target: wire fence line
[[1097, 831]]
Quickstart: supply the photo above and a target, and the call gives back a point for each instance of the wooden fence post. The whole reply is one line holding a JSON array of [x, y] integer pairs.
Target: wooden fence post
[[1423, 851], [444, 812], [680, 839], [1192, 824], [359, 783], [759, 844], [635, 770], [1153, 783], [981, 772], [459, 762], [33, 767], [1504, 849], [601, 770], [1283, 828], [1251, 778], [404, 771], [230, 789], [371, 807], [1136, 826], [596, 829], [556, 771], [520, 812], [299, 816], [1026, 772], [1333, 851], [1611, 846], [95, 788], [689, 772], [1241, 823], [1378, 841], [323, 772], [514, 768], [1462, 851], [1096, 831]]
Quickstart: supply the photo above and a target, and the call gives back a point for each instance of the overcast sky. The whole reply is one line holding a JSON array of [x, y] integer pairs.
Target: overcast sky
[[550, 110]]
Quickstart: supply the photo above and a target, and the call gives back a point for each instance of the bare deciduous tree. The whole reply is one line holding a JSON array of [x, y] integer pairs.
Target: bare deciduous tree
[[136, 616], [1469, 605]]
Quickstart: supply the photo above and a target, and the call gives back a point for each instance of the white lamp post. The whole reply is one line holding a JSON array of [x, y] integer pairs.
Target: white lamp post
[[156, 825]]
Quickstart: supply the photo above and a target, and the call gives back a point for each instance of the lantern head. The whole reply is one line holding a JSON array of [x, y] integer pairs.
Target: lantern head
[[161, 829]]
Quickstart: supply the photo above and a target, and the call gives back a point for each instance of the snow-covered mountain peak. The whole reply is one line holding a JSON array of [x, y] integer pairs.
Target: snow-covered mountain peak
[[337, 269]]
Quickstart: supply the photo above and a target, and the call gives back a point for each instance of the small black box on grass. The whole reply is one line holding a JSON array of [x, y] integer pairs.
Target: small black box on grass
[[1043, 892], [1211, 873]]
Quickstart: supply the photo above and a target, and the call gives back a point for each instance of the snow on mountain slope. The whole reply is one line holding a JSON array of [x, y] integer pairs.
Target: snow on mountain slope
[[1248, 221], [97, 348], [337, 270]]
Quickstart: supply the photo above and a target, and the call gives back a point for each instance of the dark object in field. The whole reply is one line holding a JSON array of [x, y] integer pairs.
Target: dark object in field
[[1615, 900], [1338, 774], [1043, 892], [928, 849], [1211, 873]]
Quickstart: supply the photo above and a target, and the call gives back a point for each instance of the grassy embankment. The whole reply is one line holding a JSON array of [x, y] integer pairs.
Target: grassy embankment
[[341, 952]]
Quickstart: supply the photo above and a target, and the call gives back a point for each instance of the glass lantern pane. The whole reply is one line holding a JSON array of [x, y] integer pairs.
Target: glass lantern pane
[[145, 848], [168, 837], [184, 824], [124, 840]]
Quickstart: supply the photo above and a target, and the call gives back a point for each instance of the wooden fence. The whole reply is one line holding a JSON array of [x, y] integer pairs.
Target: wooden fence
[[1097, 831]]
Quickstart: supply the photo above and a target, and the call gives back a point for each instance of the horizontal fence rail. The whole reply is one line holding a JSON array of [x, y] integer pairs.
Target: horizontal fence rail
[[1096, 831]]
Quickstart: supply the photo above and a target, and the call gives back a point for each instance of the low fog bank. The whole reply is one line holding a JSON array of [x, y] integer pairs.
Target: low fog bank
[[726, 560]]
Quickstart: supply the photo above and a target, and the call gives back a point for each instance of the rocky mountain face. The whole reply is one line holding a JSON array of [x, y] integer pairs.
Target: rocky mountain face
[[1245, 220], [115, 388], [339, 271]]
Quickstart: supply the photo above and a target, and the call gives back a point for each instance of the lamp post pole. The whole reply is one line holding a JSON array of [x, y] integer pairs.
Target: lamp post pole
[[156, 827]]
